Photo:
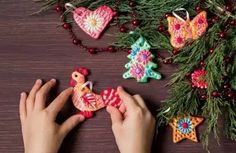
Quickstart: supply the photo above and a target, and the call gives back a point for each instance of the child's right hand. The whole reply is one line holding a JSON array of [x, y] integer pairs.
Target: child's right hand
[[132, 124]]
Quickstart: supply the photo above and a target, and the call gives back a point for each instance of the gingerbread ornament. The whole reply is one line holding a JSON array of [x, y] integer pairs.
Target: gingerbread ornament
[[85, 99], [141, 66], [184, 128], [92, 22], [182, 30]]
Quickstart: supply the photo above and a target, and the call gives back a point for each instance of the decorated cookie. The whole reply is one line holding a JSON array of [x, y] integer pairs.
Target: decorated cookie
[[85, 99], [141, 66], [92, 22], [184, 128], [182, 30]]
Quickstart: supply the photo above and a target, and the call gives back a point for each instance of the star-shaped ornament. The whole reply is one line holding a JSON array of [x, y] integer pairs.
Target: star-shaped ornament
[[184, 128]]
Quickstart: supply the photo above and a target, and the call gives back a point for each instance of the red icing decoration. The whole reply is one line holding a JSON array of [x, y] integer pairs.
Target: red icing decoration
[[185, 125], [84, 71], [87, 114], [111, 97], [177, 26], [180, 40]]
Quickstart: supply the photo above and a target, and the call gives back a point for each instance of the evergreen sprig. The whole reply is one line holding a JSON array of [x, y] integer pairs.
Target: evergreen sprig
[[183, 99]]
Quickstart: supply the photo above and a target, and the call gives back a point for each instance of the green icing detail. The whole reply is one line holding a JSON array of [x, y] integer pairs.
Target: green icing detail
[[140, 45]]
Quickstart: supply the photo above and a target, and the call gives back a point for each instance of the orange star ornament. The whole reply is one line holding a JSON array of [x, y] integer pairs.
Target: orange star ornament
[[182, 30], [184, 128]]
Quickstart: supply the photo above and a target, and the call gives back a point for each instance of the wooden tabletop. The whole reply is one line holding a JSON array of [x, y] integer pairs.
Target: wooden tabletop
[[32, 47]]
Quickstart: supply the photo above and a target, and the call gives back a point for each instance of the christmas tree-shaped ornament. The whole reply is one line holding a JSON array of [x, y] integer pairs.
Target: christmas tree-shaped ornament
[[141, 66], [184, 128]]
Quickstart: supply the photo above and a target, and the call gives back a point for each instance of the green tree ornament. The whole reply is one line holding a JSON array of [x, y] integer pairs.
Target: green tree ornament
[[141, 66]]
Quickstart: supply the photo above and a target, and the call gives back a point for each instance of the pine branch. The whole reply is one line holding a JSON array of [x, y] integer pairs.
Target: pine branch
[[230, 116], [183, 99]]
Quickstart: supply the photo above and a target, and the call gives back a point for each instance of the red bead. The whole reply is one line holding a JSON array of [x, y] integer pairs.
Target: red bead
[[76, 41], [123, 29], [66, 26], [202, 64], [226, 86], [213, 20], [129, 51], [211, 50], [203, 97], [136, 22], [168, 61], [232, 22], [175, 51], [168, 15], [230, 94], [131, 3], [92, 50], [58, 8], [161, 28], [228, 59], [214, 93], [111, 49], [228, 7], [198, 8], [222, 35], [115, 13]]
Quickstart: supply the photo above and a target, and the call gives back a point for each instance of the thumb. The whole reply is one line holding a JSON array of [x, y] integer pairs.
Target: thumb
[[116, 116], [70, 123]]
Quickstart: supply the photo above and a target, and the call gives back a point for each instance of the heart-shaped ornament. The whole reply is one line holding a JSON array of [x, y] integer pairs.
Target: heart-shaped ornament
[[93, 22]]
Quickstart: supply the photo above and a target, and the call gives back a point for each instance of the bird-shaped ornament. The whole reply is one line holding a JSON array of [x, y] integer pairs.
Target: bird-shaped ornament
[[85, 99]]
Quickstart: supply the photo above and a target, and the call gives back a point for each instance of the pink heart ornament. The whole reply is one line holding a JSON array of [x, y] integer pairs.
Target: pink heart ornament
[[93, 22]]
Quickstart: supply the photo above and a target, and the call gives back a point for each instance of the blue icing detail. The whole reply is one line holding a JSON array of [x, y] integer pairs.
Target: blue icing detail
[[134, 51], [186, 121], [148, 72]]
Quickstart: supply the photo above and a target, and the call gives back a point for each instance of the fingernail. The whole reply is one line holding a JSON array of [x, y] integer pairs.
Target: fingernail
[[38, 81], [53, 80], [81, 117], [22, 94], [119, 87], [108, 108]]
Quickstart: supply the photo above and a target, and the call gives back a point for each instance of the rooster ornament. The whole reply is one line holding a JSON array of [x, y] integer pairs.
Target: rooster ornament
[[85, 99]]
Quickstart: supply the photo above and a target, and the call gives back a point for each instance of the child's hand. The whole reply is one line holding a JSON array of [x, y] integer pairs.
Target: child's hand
[[41, 134], [132, 124]]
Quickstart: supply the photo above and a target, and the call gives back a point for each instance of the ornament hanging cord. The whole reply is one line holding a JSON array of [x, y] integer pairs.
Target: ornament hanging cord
[[85, 84], [179, 17]]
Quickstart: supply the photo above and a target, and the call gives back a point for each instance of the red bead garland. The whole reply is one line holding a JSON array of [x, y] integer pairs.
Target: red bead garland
[[135, 22]]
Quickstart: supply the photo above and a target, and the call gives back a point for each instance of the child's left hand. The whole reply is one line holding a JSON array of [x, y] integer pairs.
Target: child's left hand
[[41, 134]]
